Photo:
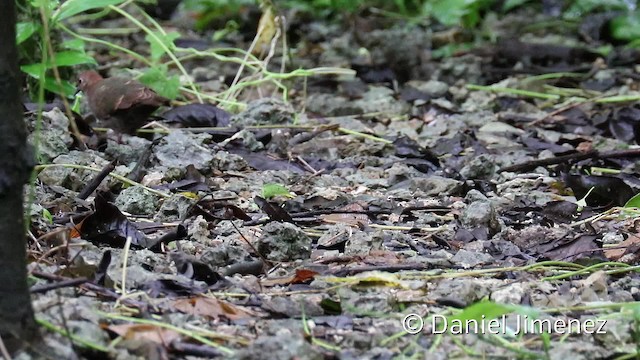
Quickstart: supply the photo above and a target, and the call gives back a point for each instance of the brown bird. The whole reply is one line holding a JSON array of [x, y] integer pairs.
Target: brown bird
[[121, 104]]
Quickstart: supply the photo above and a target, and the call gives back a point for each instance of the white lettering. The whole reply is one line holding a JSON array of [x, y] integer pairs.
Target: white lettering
[[434, 325]]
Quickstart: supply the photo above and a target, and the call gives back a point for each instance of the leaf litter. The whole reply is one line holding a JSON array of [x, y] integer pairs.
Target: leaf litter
[[401, 198]]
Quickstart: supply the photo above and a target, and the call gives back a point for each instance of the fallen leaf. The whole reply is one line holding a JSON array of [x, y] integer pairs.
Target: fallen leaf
[[348, 219], [145, 332], [301, 276], [211, 307], [630, 245]]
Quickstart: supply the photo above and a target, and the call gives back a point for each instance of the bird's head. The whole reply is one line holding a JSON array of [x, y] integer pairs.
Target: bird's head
[[87, 79]]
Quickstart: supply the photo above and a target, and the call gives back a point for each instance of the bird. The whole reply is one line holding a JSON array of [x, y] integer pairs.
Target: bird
[[118, 103]]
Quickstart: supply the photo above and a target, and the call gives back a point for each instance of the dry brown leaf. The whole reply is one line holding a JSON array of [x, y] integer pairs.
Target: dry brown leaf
[[631, 244], [348, 219], [382, 257], [211, 307], [145, 332], [267, 27], [301, 276]]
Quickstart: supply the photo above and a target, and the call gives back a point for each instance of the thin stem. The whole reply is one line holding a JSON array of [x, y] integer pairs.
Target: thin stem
[[161, 44]]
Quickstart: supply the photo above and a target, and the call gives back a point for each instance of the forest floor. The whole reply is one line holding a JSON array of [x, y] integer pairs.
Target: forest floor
[[357, 215]]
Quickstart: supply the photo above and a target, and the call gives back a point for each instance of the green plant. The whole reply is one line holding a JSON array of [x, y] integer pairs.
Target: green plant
[[210, 10], [42, 49], [579, 8], [272, 190], [457, 12]]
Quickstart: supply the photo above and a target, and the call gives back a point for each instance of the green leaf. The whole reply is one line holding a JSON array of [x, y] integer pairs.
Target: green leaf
[[634, 202], [626, 27], [158, 80], [157, 49], [459, 12], [272, 190], [33, 70], [46, 5], [449, 12], [24, 30], [73, 44], [580, 8], [482, 310], [72, 57], [46, 214], [63, 58], [512, 4], [73, 7], [66, 89]]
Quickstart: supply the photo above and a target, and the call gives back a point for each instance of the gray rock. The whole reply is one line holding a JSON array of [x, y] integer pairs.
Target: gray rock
[[70, 178], [292, 307], [128, 150], [475, 195], [466, 290], [332, 105], [180, 149], [174, 208], [287, 344], [53, 138], [500, 128], [88, 331], [404, 45], [381, 99], [468, 259], [510, 294], [335, 234], [284, 242], [434, 88], [199, 231], [617, 334], [265, 111], [430, 186], [579, 350], [136, 200], [226, 161], [361, 243], [223, 255], [399, 172], [248, 138], [480, 214], [480, 167], [52, 347]]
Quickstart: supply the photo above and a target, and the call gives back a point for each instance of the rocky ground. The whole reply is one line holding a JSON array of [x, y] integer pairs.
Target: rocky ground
[[310, 226]]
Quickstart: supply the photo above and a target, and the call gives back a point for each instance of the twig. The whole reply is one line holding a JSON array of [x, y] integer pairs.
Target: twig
[[532, 164], [204, 351], [96, 181], [563, 109], [4, 351], [99, 290], [528, 165], [56, 74]]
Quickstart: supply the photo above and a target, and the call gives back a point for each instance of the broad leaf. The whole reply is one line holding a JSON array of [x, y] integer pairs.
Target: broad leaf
[[161, 82], [66, 89], [72, 57], [482, 310], [72, 7], [634, 202], [73, 44], [273, 190], [157, 50], [24, 30], [63, 58]]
